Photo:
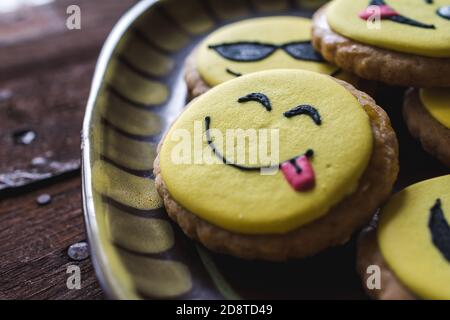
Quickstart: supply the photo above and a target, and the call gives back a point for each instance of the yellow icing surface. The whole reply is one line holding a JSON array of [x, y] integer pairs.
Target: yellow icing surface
[[251, 203], [437, 102], [343, 18], [274, 30], [405, 238]]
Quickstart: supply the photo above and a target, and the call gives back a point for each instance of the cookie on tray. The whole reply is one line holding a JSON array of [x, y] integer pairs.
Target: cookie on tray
[[398, 42], [281, 42], [410, 246], [277, 164], [427, 115]]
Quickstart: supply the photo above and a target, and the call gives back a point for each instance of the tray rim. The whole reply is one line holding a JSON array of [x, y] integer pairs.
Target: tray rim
[[109, 285]]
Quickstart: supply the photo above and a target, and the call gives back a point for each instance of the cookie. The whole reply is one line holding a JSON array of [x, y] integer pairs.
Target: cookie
[[427, 115], [411, 245], [407, 45], [329, 159], [256, 45]]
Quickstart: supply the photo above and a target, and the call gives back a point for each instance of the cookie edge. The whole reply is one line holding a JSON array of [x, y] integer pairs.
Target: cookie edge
[[432, 135], [194, 81], [373, 63], [368, 253]]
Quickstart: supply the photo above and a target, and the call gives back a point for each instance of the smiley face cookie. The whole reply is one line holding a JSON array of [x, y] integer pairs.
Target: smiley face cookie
[[255, 45], [411, 244], [401, 42], [427, 115], [336, 161]]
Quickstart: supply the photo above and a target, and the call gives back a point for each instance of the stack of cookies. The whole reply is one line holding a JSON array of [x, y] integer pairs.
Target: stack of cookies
[[336, 153], [400, 43]]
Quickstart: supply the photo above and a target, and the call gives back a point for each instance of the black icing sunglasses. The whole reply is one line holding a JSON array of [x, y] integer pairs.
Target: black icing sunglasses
[[256, 51]]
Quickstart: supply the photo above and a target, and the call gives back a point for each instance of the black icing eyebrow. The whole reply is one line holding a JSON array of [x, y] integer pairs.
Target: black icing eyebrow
[[307, 110], [429, 1], [257, 97], [440, 229]]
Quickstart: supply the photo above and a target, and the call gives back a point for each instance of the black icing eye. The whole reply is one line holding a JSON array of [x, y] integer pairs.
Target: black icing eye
[[440, 229], [307, 110], [244, 51], [257, 97], [302, 51], [444, 12]]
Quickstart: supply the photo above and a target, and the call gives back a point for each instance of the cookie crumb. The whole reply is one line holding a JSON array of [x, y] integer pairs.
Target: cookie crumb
[[78, 251], [43, 199]]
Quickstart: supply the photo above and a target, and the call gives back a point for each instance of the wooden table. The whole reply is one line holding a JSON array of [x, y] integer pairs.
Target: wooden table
[[45, 75]]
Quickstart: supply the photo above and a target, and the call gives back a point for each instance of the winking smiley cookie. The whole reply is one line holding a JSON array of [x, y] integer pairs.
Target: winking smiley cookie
[[337, 163]]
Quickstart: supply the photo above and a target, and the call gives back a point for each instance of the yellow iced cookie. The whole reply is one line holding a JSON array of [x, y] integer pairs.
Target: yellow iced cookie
[[256, 45], [419, 27], [437, 102], [267, 152], [414, 237]]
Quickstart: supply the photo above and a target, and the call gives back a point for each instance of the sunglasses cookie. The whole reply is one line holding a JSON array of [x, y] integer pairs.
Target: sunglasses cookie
[[411, 245], [398, 42], [255, 45], [427, 115], [337, 161]]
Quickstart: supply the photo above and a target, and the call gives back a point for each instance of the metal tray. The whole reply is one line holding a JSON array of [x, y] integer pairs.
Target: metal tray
[[137, 91]]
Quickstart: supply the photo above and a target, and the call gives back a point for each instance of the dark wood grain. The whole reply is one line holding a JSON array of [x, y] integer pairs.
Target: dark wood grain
[[51, 104], [35, 38], [45, 76], [34, 241]]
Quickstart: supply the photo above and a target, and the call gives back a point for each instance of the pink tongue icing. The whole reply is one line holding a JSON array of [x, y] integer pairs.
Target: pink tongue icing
[[385, 12], [302, 177]]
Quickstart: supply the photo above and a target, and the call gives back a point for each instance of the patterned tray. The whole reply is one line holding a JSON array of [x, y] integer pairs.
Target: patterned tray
[[137, 91]]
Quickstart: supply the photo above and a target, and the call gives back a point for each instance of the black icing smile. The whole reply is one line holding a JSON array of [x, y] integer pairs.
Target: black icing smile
[[440, 229], [401, 18], [309, 153], [257, 51], [233, 73], [262, 99]]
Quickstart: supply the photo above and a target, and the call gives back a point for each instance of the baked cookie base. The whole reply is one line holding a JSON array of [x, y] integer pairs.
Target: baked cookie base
[[372, 63], [195, 84], [434, 137], [334, 228], [368, 254]]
